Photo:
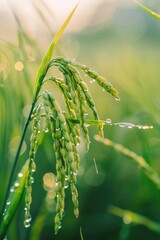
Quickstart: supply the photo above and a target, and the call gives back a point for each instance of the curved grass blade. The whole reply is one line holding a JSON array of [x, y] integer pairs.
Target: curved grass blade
[[155, 15], [81, 235], [13, 200], [131, 217], [145, 167], [45, 62]]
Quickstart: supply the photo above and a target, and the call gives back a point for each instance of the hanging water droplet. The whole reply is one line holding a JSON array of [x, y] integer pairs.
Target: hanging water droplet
[[103, 89], [109, 121], [33, 166], [117, 98], [8, 202], [28, 219], [86, 125], [16, 184], [26, 224], [125, 124], [46, 130], [66, 184], [12, 189], [32, 180], [20, 175], [4, 212]]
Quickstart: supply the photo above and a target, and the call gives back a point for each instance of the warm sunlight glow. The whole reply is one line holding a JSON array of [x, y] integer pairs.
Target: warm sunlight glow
[[19, 66]]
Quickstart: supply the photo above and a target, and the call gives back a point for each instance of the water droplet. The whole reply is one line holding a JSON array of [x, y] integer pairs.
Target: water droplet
[[28, 219], [117, 98], [16, 184], [86, 125], [125, 124], [46, 130], [26, 224], [8, 202], [20, 175], [109, 121], [127, 219], [33, 166], [32, 180], [103, 89], [92, 81], [66, 185], [4, 212], [12, 189]]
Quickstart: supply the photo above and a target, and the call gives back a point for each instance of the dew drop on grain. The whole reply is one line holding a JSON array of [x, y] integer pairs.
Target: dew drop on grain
[[12, 189], [16, 184], [20, 175], [46, 130], [8, 202]]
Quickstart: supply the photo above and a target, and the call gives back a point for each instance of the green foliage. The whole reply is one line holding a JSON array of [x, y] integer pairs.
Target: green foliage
[[155, 15], [142, 163], [13, 199], [130, 217], [48, 114], [65, 133]]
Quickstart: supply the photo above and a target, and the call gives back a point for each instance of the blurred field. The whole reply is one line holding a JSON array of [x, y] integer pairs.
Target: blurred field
[[121, 42]]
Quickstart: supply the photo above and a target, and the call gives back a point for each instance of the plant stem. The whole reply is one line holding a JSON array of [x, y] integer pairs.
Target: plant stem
[[18, 152]]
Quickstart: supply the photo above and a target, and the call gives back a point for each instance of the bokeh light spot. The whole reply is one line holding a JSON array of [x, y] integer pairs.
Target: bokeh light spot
[[49, 181], [92, 178], [19, 66], [13, 145]]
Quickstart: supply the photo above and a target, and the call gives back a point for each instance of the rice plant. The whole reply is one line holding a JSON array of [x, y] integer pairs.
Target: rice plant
[[68, 127], [64, 125]]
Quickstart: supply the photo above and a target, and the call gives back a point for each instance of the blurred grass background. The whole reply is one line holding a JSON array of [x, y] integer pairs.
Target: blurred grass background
[[121, 42]]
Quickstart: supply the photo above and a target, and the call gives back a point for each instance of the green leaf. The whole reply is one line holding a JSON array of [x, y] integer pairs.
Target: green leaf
[[13, 200], [134, 218], [44, 64], [148, 10]]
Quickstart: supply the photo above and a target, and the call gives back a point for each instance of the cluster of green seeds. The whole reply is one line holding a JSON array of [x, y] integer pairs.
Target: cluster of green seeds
[[65, 130], [36, 128], [67, 158]]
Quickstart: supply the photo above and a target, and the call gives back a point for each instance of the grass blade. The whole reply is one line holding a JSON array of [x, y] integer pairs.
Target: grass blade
[[13, 200], [131, 217], [81, 235], [44, 64], [146, 168], [156, 15]]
